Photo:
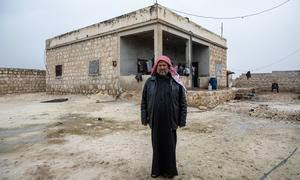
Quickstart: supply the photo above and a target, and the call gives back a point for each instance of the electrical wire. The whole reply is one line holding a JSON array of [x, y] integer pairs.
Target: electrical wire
[[233, 17], [271, 64], [280, 60]]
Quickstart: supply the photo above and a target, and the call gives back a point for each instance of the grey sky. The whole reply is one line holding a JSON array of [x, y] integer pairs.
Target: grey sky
[[253, 42]]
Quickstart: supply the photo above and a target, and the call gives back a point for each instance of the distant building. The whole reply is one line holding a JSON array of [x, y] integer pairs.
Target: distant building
[[105, 56]]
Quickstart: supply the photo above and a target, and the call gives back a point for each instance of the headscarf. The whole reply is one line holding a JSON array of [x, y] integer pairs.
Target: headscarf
[[172, 70]]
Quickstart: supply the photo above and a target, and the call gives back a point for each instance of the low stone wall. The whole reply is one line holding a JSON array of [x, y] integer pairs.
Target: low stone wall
[[209, 99], [287, 81], [22, 80]]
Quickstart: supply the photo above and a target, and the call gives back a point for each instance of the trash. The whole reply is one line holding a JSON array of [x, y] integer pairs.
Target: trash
[[55, 100], [99, 119], [209, 87], [202, 108]]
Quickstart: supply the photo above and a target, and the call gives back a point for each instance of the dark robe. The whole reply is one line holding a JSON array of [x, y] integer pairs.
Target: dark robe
[[163, 137]]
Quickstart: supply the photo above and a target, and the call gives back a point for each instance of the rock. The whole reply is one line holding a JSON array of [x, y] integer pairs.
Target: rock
[[202, 108], [58, 123]]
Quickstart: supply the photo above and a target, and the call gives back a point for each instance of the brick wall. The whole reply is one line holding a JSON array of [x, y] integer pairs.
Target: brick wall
[[287, 80], [75, 59], [22, 80]]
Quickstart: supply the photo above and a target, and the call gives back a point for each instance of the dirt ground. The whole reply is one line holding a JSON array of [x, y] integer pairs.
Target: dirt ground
[[97, 137]]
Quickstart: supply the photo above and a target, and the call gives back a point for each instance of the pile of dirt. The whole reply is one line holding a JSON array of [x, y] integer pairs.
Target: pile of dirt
[[264, 111]]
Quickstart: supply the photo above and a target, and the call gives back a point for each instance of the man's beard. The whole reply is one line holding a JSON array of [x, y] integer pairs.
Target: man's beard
[[163, 72]]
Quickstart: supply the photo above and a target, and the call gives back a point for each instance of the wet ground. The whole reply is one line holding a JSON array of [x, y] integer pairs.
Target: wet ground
[[97, 137]]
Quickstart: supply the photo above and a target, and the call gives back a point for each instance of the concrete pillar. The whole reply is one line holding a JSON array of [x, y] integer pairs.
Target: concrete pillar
[[188, 55], [158, 41]]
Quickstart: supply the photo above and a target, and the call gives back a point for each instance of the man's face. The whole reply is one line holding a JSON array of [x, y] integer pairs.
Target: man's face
[[162, 68]]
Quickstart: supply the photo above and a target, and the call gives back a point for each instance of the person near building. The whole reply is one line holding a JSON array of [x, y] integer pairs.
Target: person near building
[[248, 75], [164, 109], [275, 86]]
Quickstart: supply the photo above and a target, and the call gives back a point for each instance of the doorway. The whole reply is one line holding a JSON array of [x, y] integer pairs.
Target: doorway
[[195, 74]]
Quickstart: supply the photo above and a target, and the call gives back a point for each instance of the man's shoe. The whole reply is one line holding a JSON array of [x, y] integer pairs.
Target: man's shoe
[[154, 175], [170, 176]]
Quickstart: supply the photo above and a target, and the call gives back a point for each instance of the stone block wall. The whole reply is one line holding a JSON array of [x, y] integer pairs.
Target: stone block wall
[[75, 59], [218, 55], [287, 80], [22, 80], [209, 99]]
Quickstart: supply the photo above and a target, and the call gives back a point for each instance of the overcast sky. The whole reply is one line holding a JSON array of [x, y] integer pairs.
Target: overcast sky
[[258, 43]]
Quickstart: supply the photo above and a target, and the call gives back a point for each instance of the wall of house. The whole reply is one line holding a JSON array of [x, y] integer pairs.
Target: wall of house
[[176, 54], [287, 80], [22, 80], [218, 56], [75, 59]]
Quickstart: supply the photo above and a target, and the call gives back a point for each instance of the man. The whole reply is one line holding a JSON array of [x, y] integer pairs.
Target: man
[[275, 86], [248, 75], [164, 108]]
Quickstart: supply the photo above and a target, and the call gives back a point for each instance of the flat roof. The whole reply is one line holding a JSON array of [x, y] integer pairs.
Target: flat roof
[[139, 18]]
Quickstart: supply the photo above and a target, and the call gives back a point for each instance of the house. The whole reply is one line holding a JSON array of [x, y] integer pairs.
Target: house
[[108, 55]]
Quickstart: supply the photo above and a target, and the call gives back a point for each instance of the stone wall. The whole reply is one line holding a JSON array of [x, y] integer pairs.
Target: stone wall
[[209, 99], [287, 80], [75, 59], [22, 80], [218, 55]]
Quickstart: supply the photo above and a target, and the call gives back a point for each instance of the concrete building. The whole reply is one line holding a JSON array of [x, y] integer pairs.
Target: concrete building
[[105, 56]]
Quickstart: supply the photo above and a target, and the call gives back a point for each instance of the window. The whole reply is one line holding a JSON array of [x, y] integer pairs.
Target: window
[[94, 67], [58, 70], [218, 69]]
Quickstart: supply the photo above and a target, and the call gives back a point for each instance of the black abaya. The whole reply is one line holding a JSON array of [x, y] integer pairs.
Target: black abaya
[[163, 137]]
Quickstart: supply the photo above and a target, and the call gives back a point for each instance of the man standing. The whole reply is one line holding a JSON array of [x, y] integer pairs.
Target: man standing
[[164, 108], [248, 75]]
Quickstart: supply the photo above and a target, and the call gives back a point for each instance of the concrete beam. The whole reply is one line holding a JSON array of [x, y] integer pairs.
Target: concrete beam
[[137, 30]]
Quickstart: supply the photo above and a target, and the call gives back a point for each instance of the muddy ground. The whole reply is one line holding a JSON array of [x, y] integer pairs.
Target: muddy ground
[[96, 137]]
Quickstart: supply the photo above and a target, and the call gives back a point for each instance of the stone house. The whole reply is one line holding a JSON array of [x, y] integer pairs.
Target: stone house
[[106, 56]]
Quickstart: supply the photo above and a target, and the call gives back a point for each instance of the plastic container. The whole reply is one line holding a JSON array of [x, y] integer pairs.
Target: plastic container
[[209, 87], [213, 82]]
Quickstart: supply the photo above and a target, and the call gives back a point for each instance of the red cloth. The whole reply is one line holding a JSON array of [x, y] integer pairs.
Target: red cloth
[[172, 70]]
